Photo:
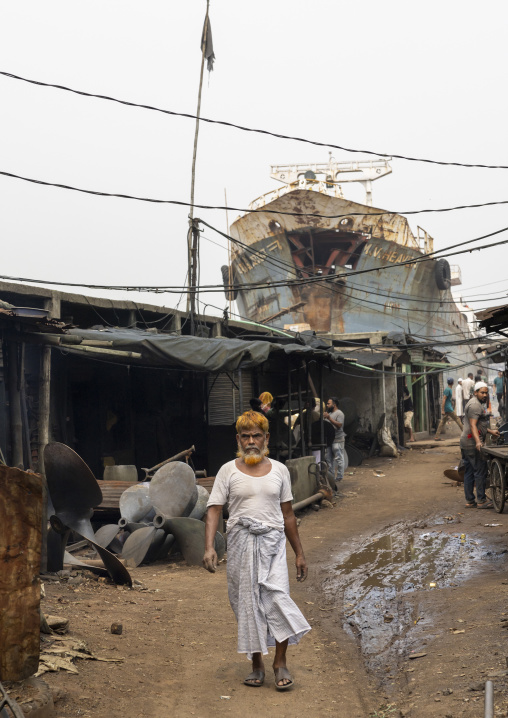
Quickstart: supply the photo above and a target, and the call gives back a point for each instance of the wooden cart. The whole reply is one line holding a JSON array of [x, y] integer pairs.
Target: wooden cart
[[497, 459]]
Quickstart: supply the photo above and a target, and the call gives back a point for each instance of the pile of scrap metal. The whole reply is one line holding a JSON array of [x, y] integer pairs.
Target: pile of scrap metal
[[161, 516], [157, 517]]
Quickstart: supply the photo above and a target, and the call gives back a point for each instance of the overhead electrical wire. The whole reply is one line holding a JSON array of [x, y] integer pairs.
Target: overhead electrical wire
[[417, 260], [253, 285], [448, 368], [352, 287], [396, 295], [249, 129], [181, 203], [476, 286], [383, 348]]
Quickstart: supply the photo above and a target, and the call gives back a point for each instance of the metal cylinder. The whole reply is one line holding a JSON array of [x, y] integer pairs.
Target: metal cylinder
[[162, 522], [131, 526], [306, 502], [489, 699]]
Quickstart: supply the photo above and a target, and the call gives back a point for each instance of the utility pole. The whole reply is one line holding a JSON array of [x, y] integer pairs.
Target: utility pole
[[193, 234], [230, 268]]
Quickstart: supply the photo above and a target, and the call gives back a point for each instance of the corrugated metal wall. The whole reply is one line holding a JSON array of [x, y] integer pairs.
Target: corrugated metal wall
[[224, 397]]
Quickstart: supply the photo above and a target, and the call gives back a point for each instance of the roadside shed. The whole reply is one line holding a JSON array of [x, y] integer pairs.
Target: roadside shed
[[137, 395]]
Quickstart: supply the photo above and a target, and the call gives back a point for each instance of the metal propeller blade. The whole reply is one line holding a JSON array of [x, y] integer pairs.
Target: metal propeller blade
[[73, 488], [200, 506], [73, 561], [190, 535], [155, 547], [166, 547], [173, 489], [131, 526], [135, 502], [56, 548], [74, 492], [137, 545], [105, 535], [114, 566]]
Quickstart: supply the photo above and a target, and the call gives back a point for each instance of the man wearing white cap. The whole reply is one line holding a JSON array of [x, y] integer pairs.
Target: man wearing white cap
[[476, 428]]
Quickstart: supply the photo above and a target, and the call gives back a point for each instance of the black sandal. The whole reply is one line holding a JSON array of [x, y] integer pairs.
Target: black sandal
[[281, 674], [485, 505], [255, 679]]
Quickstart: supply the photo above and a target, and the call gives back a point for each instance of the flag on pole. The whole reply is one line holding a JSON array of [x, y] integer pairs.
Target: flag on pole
[[207, 44]]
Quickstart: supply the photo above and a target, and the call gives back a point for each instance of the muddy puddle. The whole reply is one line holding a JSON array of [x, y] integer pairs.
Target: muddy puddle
[[382, 581]]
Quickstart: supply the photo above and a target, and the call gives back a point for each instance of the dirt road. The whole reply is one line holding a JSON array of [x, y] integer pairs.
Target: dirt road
[[179, 637]]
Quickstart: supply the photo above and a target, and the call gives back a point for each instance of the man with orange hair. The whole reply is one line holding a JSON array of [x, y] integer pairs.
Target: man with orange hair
[[263, 403], [266, 401], [258, 491]]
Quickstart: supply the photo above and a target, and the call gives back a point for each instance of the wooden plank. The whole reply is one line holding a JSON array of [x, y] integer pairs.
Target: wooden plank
[[20, 557], [206, 482], [111, 492], [500, 452]]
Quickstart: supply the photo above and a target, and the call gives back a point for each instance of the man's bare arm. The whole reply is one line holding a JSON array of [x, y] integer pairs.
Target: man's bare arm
[[291, 531], [211, 525]]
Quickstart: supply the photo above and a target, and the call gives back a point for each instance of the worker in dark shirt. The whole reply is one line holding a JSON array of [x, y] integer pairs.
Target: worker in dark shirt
[[447, 410], [476, 428], [408, 413]]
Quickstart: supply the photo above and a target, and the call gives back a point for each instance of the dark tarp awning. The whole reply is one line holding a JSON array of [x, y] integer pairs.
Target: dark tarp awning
[[193, 353]]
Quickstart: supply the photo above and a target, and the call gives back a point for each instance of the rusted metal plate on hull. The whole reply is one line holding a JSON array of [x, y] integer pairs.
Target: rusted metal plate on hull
[[317, 310], [354, 217]]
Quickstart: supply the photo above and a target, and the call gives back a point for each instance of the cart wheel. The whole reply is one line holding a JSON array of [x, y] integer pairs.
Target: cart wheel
[[497, 484]]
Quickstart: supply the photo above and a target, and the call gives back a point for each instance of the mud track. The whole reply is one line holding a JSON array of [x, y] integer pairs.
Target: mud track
[[178, 641]]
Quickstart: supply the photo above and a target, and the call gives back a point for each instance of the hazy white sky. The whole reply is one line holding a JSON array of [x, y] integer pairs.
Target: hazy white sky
[[423, 79]]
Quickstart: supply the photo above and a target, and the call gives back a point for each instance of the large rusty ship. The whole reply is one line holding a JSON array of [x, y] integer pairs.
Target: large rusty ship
[[307, 261]]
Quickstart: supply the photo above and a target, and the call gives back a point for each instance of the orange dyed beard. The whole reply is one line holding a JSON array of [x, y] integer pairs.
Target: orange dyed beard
[[252, 457]]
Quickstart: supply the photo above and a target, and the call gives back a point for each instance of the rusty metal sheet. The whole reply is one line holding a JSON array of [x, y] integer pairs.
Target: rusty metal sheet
[[252, 227]]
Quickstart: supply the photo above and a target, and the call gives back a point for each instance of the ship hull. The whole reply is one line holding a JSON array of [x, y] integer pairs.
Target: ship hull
[[353, 272]]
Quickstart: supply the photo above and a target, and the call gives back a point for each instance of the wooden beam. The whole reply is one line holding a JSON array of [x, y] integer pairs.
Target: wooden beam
[[105, 352], [43, 431], [15, 405]]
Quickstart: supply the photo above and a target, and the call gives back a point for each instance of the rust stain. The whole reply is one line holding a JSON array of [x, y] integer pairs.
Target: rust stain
[[318, 309]]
